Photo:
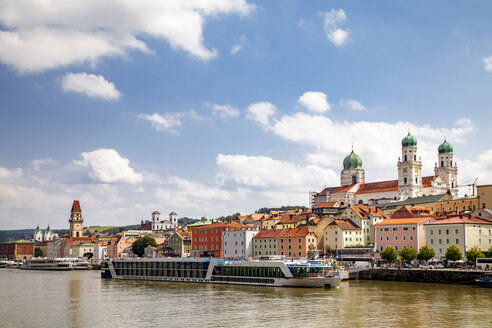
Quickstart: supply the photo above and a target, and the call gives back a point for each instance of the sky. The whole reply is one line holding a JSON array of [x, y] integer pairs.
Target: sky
[[209, 108]]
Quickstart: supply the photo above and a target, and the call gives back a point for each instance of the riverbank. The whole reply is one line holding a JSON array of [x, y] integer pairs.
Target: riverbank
[[441, 276]]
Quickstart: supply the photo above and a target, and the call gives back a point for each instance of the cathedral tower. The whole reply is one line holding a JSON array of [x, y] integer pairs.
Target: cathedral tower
[[76, 221], [409, 169], [445, 168], [352, 172]]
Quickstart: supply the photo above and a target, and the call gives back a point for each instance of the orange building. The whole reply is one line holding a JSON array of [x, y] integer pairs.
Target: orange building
[[296, 242], [207, 240], [17, 250]]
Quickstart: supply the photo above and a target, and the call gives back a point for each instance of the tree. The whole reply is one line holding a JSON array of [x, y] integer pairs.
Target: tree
[[389, 254], [489, 252], [473, 254], [89, 255], [453, 253], [141, 243], [311, 250], [426, 253], [408, 254], [38, 252]]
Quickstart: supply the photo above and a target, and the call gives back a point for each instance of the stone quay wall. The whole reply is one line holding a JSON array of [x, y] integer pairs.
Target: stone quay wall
[[442, 276]]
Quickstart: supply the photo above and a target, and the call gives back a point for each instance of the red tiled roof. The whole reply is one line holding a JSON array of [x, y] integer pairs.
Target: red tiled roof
[[328, 204], [295, 232], [460, 220], [381, 186], [403, 221], [186, 235], [223, 224], [146, 226], [334, 190], [76, 206], [363, 210], [345, 224], [268, 233]]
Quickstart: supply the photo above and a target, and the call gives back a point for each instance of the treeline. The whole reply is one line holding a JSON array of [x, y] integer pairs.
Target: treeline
[[266, 210]]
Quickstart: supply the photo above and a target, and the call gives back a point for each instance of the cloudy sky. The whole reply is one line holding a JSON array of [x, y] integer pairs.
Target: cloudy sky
[[208, 108]]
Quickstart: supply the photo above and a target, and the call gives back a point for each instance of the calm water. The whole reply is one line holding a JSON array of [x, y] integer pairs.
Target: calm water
[[82, 299]]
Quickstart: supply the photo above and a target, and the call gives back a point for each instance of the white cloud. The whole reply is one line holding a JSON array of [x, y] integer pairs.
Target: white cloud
[[236, 48], [353, 105], [94, 86], [314, 101], [42, 35], [378, 143], [262, 171], [224, 111], [6, 174], [168, 121], [480, 167], [106, 165], [332, 20], [261, 112], [37, 163], [487, 61]]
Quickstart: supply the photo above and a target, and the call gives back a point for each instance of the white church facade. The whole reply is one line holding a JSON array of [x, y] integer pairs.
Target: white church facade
[[164, 225], [353, 188]]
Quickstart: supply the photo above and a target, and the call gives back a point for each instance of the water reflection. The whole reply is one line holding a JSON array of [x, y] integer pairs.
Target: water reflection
[[84, 300]]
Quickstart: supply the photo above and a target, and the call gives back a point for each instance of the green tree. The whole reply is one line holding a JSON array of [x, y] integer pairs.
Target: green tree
[[389, 254], [408, 254], [453, 253], [473, 254], [38, 252], [489, 252], [141, 243], [89, 255], [311, 250], [426, 253]]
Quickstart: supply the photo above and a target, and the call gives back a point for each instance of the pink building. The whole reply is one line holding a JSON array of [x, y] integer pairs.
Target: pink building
[[401, 233]]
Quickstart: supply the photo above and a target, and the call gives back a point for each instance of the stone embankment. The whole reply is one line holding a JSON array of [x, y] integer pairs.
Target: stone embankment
[[442, 276]]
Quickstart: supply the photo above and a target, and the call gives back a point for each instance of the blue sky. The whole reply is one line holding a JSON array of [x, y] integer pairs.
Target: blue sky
[[209, 108]]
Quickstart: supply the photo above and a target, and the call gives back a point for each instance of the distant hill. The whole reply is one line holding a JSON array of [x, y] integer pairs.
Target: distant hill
[[24, 234], [267, 210]]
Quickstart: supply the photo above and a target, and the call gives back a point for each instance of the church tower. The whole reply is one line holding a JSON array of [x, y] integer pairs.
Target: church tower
[[352, 172], [76, 221], [445, 168], [173, 218], [409, 169]]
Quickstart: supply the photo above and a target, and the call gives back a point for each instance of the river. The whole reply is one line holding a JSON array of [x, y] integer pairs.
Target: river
[[83, 299]]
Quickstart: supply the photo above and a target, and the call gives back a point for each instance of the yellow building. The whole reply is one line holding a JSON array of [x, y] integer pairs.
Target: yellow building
[[484, 196], [455, 205]]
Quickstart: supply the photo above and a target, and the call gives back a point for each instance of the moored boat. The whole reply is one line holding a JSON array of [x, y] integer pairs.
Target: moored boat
[[294, 273], [58, 264], [485, 281]]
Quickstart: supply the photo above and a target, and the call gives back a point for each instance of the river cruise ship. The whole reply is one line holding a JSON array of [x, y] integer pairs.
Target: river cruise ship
[[282, 273], [57, 264]]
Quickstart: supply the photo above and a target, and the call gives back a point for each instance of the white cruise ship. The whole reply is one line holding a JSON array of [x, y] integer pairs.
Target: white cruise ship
[[295, 273]]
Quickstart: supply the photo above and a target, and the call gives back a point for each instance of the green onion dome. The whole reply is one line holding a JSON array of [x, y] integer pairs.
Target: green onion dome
[[445, 148], [352, 161], [409, 141]]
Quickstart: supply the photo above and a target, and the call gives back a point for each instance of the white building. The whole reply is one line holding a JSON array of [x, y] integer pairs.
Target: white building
[[164, 225], [100, 253], [238, 243], [353, 188], [463, 232], [48, 235]]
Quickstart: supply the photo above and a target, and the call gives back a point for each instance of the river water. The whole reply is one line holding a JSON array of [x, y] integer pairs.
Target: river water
[[83, 299]]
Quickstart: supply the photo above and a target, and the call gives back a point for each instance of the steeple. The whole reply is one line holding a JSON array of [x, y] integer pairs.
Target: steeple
[[352, 172], [409, 169], [76, 221], [445, 168]]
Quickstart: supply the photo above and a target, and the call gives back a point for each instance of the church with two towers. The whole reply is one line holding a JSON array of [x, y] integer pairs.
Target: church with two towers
[[353, 188]]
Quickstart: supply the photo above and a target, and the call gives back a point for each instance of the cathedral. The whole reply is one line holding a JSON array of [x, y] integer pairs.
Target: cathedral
[[353, 188]]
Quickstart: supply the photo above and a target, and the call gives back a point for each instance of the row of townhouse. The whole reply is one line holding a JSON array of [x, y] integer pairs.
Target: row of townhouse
[[415, 227]]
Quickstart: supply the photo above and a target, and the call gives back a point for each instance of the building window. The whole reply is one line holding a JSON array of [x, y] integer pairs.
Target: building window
[[432, 241], [440, 241], [456, 231], [404, 180], [457, 241], [395, 229], [432, 232]]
